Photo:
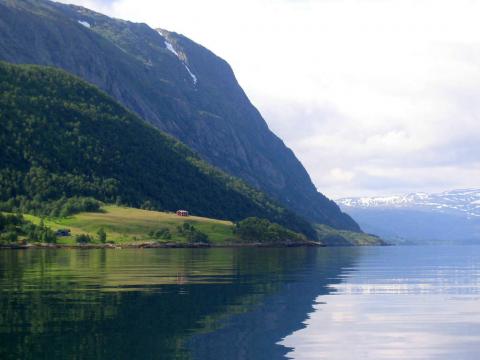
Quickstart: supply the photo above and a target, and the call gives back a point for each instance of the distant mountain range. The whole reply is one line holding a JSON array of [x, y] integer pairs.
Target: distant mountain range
[[174, 84], [464, 201], [450, 216]]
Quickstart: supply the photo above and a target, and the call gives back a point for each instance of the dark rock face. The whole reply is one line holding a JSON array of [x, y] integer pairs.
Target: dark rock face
[[171, 82]]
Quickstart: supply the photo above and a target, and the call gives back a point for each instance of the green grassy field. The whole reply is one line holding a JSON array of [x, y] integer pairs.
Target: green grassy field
[[128, 225]]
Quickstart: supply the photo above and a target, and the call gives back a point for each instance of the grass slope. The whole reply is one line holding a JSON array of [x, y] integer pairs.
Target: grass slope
[[129, 225]]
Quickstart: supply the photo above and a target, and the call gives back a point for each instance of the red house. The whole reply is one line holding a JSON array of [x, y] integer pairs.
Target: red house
[[182, 213]]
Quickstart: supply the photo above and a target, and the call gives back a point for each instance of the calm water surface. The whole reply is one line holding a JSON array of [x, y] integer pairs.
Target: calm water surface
[[345, 303]]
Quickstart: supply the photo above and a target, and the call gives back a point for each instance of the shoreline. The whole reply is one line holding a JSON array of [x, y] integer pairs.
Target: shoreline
[[157, 246]]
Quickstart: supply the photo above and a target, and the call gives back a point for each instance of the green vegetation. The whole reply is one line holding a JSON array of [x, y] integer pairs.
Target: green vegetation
[[191, 233], [254, 229], [102, 235], [123, 225], [61, 138], [54, 208], [127, 225], [161, 234], [83, 239], [333, 237], [14, 228]]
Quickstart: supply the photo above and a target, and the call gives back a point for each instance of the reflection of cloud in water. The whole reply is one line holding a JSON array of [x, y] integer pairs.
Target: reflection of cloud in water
[[429, 312]]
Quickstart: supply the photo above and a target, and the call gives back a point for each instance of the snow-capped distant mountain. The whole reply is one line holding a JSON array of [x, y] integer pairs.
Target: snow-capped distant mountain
[[451, 216], [465, 201]]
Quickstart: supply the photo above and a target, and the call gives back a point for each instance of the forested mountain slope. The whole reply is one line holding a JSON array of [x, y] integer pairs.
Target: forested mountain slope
[[61, 137], [173, 83]]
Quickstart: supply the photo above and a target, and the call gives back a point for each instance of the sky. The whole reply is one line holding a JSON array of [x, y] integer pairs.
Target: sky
[[375, 97]]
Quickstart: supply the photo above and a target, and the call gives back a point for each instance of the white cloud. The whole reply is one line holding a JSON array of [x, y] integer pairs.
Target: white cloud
[[356, 88]]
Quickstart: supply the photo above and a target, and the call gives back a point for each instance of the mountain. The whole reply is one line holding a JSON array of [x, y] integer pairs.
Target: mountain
[[173, 83], [465, 201], [450, 216], [61, 137]]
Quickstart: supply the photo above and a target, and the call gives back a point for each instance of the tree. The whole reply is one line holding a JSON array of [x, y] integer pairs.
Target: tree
[[162, 233], [102, 235], [254, 229], [3, 221], [8, 237], [83, 239], [192, 234], [197, 237]]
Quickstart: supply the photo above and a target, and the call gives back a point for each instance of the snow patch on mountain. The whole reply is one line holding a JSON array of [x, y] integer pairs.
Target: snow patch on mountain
[[466, 201], [192, 75], [169, 46], [85, 23]]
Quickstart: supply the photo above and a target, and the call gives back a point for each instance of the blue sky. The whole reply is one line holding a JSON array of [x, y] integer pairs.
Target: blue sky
[[374, 96]]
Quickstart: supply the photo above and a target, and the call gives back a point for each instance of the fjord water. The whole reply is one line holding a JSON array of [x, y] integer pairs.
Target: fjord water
[[325, 303]]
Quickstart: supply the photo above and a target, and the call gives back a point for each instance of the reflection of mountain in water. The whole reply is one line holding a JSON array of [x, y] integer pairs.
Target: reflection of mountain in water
[[254, 335], [145, 304]]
